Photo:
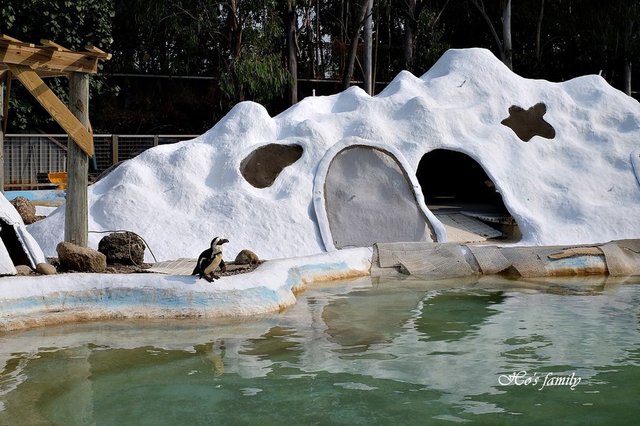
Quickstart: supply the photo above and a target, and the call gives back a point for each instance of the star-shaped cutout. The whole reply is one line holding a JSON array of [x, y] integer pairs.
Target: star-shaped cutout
[[529, 123]]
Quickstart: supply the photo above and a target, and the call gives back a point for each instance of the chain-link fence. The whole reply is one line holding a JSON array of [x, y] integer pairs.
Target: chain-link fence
[[29, 158]]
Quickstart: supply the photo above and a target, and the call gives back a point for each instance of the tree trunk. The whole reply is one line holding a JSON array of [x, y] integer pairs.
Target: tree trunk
[[409, 34], [479, 4], [234, 40], [368, 49], [319, 47], [627, 76], [627, 56], [539, 33], [353, 46], [292, 54], [506, 34]]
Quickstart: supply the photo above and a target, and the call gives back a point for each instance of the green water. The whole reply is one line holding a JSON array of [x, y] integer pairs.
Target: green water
[[357, 352]]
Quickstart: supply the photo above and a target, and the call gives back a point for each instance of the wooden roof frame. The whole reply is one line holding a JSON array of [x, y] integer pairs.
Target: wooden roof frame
[[49, 59], [30, 63]]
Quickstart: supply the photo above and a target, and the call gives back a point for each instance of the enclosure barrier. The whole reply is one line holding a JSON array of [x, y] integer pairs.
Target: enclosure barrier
[[29, 158], [450, 260]]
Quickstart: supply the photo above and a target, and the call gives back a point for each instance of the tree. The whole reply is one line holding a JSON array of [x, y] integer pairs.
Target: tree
[[504, 46], [353, 44], [368, 49], [539, 33], [429, 43], [611, 38], [71, 24], [423, 34], [251, 59], [292, 51]]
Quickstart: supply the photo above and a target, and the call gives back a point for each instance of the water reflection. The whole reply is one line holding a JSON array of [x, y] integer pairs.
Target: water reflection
[[455, 315], [357, 351]]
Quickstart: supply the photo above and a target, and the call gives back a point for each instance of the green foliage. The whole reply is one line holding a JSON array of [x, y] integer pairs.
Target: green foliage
[[260, 77], [252, 65], [165, 37], [71, 24], [240, 45], [429, 42]]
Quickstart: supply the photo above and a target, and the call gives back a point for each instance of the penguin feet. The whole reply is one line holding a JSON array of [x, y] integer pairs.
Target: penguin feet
[[210, 278], [206, 277]]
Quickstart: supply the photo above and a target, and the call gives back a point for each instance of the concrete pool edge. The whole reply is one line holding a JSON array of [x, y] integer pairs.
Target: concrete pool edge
[[27, 302]]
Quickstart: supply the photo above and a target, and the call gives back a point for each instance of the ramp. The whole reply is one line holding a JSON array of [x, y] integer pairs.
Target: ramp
[[180, 266], [462, 228]]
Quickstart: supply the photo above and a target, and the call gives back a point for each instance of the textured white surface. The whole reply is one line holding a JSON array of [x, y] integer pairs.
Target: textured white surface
[[577, 188]]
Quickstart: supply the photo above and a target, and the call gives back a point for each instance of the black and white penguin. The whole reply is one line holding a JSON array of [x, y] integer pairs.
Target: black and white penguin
[[210, 259]]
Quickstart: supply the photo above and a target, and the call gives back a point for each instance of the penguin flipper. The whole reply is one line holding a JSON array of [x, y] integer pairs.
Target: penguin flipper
[[198, 269]]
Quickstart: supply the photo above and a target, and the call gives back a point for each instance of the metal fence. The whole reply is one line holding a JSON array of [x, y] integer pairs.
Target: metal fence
[[29, 158]]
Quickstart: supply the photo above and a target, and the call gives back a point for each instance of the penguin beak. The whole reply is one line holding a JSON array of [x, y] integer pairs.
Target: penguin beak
[[222, 241]]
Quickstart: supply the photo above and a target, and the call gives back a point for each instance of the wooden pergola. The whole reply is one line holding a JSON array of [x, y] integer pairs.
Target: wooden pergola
[[30, 63]]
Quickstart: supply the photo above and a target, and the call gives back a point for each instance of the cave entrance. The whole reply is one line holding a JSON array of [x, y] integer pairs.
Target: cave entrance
[[462, 196]]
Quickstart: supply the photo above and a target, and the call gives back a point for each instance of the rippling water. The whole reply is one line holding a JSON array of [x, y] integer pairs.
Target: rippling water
[[355, 352]]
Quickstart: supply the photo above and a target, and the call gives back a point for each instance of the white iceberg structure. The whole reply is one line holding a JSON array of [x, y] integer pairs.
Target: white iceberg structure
[[573, 182]]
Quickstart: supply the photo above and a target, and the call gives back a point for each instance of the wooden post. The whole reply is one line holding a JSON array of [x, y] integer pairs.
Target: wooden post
[[114, 149], [2, 134], [76, 226]]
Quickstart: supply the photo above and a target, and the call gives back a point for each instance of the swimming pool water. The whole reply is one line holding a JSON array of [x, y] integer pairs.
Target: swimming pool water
[[355, 352]]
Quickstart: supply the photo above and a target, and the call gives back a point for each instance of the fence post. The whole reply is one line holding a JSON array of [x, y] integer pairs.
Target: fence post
[[155, 140], [114, 149], [2, 134]]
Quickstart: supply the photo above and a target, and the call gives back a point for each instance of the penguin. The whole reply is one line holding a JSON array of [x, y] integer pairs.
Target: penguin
[[210, 259]]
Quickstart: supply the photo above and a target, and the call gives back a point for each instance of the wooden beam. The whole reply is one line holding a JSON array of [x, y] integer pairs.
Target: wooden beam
[[41, 73], [97, 52], [53, 45], [49, 60], [55, 107], [5, 37]]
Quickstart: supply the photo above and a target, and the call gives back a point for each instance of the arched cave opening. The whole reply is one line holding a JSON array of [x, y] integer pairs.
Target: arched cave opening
[[454, 184]]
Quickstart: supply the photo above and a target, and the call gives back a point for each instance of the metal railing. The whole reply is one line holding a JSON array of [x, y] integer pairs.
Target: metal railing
[[29, 158]]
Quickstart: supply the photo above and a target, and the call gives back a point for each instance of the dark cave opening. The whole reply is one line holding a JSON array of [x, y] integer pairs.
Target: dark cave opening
[[453, 182]]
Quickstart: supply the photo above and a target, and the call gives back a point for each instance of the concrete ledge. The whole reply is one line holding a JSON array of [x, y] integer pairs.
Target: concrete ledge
[[46, 300]]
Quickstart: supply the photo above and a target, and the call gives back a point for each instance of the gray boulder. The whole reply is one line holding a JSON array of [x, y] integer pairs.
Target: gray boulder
[[247, 257], [124, 248], [45, 269], [26, 209], [81, 259]]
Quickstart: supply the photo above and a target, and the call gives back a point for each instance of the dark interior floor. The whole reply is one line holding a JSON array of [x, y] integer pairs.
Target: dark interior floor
[[453, 182]]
